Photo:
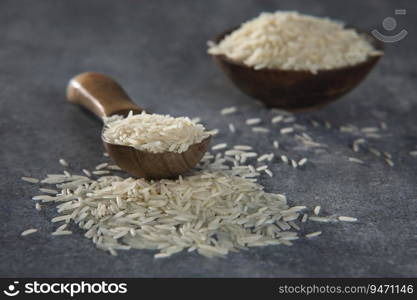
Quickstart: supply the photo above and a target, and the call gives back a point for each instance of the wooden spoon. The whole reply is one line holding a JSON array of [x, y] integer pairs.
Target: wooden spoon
[[104, 97], [297, 90]]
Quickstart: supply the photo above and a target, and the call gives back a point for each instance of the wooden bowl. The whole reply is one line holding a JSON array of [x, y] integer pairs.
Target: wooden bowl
[[297, 90], [104, 97]]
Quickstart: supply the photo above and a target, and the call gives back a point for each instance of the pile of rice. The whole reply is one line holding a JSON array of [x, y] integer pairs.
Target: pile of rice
[[218, 209], [293, 41], [154, 133]]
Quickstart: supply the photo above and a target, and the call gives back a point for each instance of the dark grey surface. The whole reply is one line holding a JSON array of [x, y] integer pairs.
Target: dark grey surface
[[156, 49]]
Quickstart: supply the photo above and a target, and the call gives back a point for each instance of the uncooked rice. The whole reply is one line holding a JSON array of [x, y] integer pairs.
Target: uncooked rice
[[389, 162], [101, 166], [356, 160], [347, 219], [302, 161], [30, 179], [86, 172], [29, 231], [49, 191], [101, 172], [262, 168], [260, 129], [286, 130], [370, 129], [277, 119], [242, 147], [228, 110], [153, 133], [215, 210], [61, 232], [319, 219], [263, 157], [304, 218], [293, 41], [313, 234], [63, 162], [294, 163], [253, 121], [219, 146]]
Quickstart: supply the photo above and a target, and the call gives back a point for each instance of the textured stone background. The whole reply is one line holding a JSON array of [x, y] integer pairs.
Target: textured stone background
[[156, 49]]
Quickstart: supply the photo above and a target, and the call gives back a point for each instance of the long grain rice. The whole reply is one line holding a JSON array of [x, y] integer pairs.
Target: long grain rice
[[293, 41]]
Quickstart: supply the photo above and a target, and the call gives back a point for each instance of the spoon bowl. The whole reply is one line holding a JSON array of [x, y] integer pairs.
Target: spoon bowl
[[104, 97], [297, 90]]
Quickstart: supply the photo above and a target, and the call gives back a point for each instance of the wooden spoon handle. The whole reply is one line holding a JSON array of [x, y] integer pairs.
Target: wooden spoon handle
[[100, 94]]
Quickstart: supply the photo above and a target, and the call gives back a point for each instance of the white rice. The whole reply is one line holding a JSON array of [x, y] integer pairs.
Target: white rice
[[219, 146], [319, 219], [347, 219], [313, 234], [228, 110], [413, 153], [387, 155], [356, 160], [389, 162], [86, 172], [29, 231], [263, 157], [49, 191], [30, 179], [114, 167], [62, 232], [63, 162], [262, 168], [288, 119], [294, 163], [232, 128], [302, 161], [356, 143], [286, 130], [304, 218], [101, 172], [215, 210], [370, 129], [375, 151], [317, 210], [293, 41], [284, 158], [242, 147], [260, 129], [153, 133], [101, 166], [253, 121], [276, 144], [277, 119]]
